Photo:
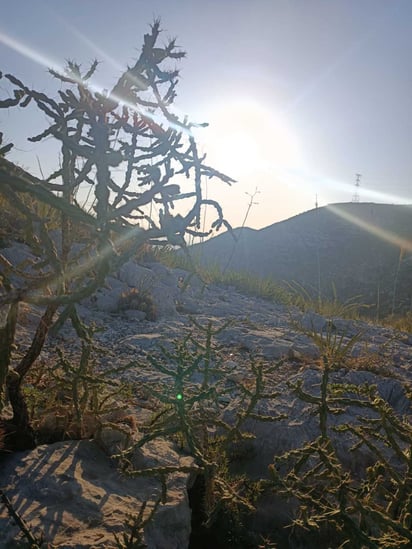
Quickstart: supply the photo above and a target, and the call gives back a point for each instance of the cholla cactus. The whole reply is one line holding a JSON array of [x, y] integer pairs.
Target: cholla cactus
[[125, 146], [370, 507]]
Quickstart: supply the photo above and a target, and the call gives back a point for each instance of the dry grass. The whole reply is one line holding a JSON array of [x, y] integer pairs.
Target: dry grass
[[401, 323]]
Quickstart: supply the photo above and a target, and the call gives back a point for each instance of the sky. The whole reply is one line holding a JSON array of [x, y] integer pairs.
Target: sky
[[300, 95]]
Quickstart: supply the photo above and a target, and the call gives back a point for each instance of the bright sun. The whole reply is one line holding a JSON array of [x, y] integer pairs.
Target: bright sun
[[244, 139]]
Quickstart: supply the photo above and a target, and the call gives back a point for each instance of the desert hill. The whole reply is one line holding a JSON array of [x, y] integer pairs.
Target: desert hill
[[359, 248]]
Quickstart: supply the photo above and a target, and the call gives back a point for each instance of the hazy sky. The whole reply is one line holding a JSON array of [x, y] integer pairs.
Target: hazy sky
[[300, 94]]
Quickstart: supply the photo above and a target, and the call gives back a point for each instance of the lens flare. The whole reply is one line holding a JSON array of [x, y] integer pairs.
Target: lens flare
[[90, 44], [387, 236], [49, 63], [29, 52], [365, 192]]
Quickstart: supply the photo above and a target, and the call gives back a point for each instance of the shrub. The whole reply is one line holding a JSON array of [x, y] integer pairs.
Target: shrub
[[125, 147], [194, 408], [367, 508], [138, 300]]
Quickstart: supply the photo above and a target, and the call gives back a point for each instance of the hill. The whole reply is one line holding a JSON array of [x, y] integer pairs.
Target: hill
[[358, 248]]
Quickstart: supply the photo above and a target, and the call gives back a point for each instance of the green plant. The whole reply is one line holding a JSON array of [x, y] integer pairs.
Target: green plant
[[305, 301], [125, 146], [370, 507], [213, 274], [237, 238], [34, 542], [70, 398], [334, 347], [133, 536], [194, 408], [396, 279]]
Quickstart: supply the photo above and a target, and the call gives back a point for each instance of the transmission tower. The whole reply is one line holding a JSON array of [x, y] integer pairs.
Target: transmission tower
[[355, 197]]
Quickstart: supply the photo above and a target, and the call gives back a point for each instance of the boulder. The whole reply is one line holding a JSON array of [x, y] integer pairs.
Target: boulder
[[159, 284], [299, 426], [74, 494]]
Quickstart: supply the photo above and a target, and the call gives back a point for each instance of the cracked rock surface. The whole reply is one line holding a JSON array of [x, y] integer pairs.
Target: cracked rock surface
[[73, 492]]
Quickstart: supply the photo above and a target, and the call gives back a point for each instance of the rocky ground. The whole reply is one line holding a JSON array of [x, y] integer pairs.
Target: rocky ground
[[339, 247], [72, 491]]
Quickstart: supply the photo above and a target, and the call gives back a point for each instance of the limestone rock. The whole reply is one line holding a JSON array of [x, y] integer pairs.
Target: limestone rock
[[75, 495], [159, 283]]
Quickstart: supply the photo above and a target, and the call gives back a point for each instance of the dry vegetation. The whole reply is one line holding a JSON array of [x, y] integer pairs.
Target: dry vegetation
[[373, 511]]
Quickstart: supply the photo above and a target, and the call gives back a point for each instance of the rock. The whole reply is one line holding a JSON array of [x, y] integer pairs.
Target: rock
[[133, 315], [4, 311], [116, 434], [300, 426], [22, 258], [311, 322], [136, 276], [159, 284], [272, 344], [188, 306], [260, 328], [73, 493]]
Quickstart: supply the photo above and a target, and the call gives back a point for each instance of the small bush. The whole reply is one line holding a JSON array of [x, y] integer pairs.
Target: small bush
[[70, 399], [401, 323], [367, 508], [138, 300]]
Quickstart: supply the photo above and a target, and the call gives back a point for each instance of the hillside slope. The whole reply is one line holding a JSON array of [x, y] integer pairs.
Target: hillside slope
[[360, 248]]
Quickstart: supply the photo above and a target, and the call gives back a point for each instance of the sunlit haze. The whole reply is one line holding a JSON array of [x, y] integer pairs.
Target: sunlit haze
[[300, 95]]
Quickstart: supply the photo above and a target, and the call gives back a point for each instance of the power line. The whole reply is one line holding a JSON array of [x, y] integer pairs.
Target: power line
[[355, 197]]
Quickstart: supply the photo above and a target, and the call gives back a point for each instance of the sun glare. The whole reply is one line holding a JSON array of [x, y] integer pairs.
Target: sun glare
[[28, 52], [244, 138], [236, 153]]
